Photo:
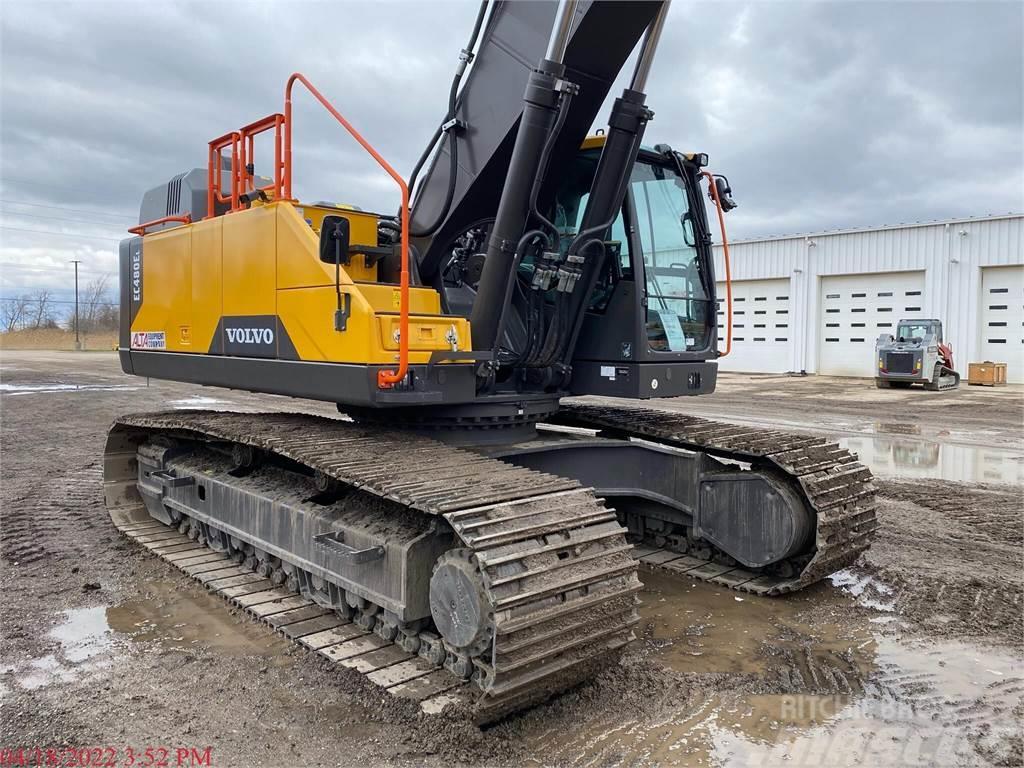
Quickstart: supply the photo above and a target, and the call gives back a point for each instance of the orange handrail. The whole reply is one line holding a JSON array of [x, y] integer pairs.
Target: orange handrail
[[725, 255], [247, 146], [385, 378], [185, 218], [214, 172]]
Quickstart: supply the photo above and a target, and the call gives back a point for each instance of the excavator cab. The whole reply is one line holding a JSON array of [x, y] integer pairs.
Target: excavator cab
[[654, 300], [653, 303]]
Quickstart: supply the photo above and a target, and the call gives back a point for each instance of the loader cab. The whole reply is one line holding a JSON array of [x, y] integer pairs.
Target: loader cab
[[918, 330]]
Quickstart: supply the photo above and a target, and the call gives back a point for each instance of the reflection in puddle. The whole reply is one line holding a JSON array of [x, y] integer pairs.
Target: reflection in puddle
[[921, 458], [808, 683], [32, 389], [869, 591], [196, 401], [898, 428], [84, 637], [167, 619]]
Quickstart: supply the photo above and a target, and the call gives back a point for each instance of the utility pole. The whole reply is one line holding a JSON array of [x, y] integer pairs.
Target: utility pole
[[78, 344]]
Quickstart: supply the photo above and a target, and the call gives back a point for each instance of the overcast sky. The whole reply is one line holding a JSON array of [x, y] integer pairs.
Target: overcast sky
[[824, 115]]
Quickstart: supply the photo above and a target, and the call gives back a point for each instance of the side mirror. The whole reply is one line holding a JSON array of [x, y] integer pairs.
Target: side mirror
[[725, 194], [334, 240]]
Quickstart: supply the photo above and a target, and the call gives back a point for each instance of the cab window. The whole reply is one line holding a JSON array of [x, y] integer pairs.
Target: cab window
[[678, 296]]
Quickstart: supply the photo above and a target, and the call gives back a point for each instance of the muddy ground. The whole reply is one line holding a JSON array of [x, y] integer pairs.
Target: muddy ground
[[912, 657]]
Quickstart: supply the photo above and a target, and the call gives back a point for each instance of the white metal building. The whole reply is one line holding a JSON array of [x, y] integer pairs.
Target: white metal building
[[818, 302]]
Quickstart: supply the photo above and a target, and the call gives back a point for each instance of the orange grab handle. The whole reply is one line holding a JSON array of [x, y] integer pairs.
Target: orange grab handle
[[728, 273], [385, 378], [141, 229]]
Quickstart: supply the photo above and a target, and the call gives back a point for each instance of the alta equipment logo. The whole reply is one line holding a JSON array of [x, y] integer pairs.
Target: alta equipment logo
[[149, 340], [250, 335]]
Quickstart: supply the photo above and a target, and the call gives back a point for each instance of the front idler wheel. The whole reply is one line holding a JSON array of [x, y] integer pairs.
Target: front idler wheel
[[459, 604]]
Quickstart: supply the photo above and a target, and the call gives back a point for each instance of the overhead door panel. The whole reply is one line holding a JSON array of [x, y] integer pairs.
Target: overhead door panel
[[1002, 319], [762, 331], [855, 309]]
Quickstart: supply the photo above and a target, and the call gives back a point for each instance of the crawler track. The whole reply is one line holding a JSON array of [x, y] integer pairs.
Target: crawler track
[[559, 575], [835, 486], [555, 621]]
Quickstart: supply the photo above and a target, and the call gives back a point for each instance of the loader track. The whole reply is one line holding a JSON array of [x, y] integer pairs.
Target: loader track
[[836, 487], [558, 574], [945, 379]]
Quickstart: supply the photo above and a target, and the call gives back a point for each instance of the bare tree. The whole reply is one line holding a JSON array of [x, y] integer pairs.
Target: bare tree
[[13, 312], [93, 300], [39, 313]]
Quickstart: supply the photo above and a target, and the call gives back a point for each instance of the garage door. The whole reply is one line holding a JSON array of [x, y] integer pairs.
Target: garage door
[[1002, 319], [855, 309], [761, 330]]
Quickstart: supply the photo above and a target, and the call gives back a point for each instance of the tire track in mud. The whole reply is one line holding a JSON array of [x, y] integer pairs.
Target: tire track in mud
[[47, 515], [953, 555], [887, 700]]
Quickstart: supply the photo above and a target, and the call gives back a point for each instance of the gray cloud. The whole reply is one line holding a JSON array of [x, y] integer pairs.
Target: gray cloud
[[824, 115]]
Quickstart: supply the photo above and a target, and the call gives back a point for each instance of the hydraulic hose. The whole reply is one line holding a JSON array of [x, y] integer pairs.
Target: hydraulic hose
[[542, 169], [521, 247], [453, 165]]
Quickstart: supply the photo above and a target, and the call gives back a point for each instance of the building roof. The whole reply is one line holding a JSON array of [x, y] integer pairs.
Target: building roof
[[854, 230]]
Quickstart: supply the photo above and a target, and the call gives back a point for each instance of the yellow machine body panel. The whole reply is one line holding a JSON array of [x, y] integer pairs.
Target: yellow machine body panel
[[251, 283], [250, 248], [167, 286], [207, 281]]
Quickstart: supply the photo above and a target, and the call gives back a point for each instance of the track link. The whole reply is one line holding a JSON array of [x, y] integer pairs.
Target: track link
[[945, 379], [558, 574], [832, 482]]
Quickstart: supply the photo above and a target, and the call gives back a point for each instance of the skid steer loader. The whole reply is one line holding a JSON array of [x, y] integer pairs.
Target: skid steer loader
[[915, 355]]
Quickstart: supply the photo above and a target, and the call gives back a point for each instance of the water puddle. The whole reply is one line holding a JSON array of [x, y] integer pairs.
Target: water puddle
[[799, 681], [166, 619], [36, 389], [895, 457], [169, 618], [699, 627], [84, 639], [196, 401], [868, 590]]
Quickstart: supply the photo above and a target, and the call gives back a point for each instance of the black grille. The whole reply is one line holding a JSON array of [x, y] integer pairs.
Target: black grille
[[899, 362]]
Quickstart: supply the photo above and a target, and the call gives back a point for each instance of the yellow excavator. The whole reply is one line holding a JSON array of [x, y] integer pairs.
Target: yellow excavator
[[460, 533]]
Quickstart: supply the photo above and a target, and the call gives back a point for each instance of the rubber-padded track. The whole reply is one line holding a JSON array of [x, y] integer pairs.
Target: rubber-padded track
[[835, 486], [557, 619]]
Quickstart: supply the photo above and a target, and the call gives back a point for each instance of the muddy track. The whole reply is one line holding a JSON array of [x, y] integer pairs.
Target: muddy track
[[833, 485], [554, 562]]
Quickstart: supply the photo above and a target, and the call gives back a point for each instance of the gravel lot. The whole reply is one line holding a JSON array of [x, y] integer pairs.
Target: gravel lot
[[914, 656]]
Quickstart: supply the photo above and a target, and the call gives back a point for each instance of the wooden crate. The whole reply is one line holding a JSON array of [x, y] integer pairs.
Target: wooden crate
[[987, 374]]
